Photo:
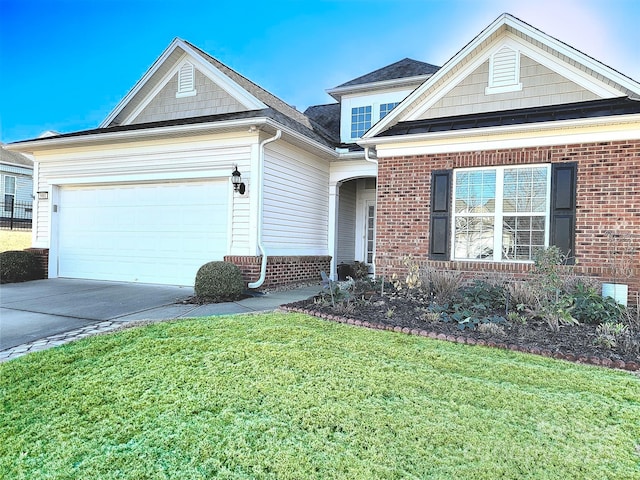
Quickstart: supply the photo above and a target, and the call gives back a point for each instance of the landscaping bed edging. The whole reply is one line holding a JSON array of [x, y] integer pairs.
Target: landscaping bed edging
[[591, 360]]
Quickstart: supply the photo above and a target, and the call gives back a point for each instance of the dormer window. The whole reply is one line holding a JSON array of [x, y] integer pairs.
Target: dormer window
[[186, 81], [385, 108], [504, 71], [360, 121]]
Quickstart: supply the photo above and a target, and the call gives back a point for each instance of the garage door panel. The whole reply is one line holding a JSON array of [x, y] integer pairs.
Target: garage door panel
[[157, 233]]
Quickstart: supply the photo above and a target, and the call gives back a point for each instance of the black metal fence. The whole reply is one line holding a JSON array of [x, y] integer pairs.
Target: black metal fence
[[15, 215]]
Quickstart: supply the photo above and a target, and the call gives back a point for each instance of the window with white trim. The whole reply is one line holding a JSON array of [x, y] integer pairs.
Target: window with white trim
[[501, 213], [9, 192], [186, 80], [360, 120]]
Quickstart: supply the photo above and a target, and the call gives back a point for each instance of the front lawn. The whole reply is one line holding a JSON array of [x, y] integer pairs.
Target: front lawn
[[14, 240], [290, 396]]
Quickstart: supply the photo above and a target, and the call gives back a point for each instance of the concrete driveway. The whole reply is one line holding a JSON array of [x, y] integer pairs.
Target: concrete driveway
[[33, 310], [54, 311]]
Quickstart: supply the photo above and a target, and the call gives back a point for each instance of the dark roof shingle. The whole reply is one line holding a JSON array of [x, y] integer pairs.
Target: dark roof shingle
[[405, 68], [568, 111]]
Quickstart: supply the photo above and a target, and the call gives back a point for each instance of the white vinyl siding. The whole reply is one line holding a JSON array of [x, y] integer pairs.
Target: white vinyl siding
[[166, 160], [346, 251], [296, 203]]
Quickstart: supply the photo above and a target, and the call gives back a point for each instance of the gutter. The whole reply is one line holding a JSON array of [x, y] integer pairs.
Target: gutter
[[263, 267], [551, 126]]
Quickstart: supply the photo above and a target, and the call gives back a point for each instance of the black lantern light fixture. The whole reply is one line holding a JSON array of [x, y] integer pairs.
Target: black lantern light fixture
[[236, 179]]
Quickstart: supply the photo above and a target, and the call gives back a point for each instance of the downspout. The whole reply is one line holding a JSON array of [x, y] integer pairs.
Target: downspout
[[370, 159], [263, 267]]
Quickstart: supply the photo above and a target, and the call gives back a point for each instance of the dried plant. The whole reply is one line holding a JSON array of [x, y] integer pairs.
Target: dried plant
[[621, 253], [442, 285], [492, 329]]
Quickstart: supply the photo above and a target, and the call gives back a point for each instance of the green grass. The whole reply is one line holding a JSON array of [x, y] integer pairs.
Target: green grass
[[289, 396], [14, 240]]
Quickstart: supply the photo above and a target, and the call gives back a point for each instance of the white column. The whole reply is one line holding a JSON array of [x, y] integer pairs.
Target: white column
[[334, 202]]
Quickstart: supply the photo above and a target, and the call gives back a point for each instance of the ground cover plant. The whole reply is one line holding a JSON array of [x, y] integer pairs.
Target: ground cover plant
[[291, 396], [551, 311]]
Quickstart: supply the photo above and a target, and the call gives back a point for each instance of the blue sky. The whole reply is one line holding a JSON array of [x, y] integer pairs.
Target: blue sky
[[65, 64]]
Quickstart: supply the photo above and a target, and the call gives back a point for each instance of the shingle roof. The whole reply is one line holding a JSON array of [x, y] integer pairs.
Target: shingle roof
[[14, 158], [290, 114], [569, 111], [328, 116], [406, 67]]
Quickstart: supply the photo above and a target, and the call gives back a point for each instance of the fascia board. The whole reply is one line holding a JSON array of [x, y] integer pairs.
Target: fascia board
[[570, 52], [136, 88], [527, 134], [502, 20], [396, 113], [133, 135], [223, 81], [302, 138], [370, 87], [215, 75], [178, 130], [568, 71]]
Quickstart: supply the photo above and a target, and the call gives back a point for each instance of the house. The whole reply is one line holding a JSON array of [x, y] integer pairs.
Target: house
[[516, 143], [16, 187]]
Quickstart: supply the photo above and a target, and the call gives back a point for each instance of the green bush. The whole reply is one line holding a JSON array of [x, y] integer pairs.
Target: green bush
[[590, 307], [219, 282], [19, 266]]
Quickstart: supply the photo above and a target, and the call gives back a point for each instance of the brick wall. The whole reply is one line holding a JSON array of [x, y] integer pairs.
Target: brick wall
[[43, 256], [608, 199], [281, 271]]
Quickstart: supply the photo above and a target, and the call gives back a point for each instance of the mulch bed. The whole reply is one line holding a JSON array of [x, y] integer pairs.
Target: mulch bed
[[401, 314]]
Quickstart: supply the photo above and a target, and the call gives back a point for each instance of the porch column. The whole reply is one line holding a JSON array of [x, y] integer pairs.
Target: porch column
[[334, 202]]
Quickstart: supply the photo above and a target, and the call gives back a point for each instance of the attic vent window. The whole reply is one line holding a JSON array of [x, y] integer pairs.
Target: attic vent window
[[504, 71], [186, 81]]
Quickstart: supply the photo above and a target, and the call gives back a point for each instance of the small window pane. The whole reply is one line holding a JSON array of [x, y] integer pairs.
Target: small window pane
[[10, 185], [360, 121], [474, 237]]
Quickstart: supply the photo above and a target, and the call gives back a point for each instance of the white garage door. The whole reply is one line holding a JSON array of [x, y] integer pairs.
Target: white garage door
[[150, 233]]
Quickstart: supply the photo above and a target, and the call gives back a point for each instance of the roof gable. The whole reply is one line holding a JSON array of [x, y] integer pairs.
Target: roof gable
[[14, 158], [585, 77], [166, 70]]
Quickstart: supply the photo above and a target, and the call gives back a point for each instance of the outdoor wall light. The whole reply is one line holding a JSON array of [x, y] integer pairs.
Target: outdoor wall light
[[236, 179], [43, 195]]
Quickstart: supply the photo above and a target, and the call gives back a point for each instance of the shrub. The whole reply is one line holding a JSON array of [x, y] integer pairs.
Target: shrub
[[590, 307], [360, 270], [219, 282], [19, 266], [482, 293]]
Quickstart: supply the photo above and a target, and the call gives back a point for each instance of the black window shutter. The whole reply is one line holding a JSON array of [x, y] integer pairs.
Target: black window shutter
[[439, 236], [563, 208]]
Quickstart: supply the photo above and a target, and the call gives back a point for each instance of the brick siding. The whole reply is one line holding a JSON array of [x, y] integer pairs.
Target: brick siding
[[43, 256], [608, 199], [284, 270]]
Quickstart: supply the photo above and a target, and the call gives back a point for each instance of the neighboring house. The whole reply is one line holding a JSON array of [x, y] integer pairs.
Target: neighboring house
[[16, 185], [518, 142]]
